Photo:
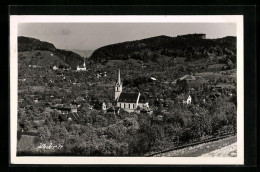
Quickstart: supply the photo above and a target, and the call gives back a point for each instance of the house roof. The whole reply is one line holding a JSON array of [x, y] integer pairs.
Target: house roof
[[128, 97], [199, 78], [191, 78], [188, 77]]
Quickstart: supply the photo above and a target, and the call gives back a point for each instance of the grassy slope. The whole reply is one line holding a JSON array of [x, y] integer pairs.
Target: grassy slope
[[194, 151]]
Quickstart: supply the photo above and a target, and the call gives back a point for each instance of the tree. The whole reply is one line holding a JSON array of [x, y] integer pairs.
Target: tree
[[182, 85]]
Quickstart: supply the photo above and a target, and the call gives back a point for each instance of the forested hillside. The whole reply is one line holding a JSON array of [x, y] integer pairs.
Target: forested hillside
[[26, 44], [152, 49]]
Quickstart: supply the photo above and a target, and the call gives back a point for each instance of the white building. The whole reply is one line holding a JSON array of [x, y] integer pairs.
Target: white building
[[82, 68], [55, 68]]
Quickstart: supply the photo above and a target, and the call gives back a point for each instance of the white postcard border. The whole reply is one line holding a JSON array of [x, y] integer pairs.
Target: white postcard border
[[15, 20]]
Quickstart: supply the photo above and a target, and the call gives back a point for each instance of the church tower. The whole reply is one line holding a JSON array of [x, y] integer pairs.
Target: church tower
[[118, 87], [84, 65]]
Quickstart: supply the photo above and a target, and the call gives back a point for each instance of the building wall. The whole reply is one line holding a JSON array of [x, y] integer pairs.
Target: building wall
[[130, 107], [74, 110]]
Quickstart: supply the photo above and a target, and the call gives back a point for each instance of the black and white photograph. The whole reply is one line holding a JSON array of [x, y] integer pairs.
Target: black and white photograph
[[126, 89]]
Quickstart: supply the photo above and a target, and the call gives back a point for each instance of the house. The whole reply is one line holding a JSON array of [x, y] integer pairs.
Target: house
[[158, 118], [214, 95], [185, 99], [66, 109], [74, 107], [55, 68], [128, 101], [90, 107], [188, 78], [146, 110], [193, 81], [114, 110], [153, 79], [63, 117], [36, 99], [22, 80]]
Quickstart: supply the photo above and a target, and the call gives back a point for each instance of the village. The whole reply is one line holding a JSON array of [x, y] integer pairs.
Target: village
[[70, 110]]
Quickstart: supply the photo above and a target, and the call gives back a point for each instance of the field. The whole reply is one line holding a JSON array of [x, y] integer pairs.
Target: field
[[206, 149]]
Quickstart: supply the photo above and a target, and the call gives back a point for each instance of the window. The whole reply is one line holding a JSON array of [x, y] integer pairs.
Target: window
[[129, 106], [124, 105], [133, 106]]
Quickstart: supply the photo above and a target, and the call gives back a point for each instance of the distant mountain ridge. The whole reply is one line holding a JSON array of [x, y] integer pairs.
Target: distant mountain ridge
[[70, 58], [83, 53], [161, 46]]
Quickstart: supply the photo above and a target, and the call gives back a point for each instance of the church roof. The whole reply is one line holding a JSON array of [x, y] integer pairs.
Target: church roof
[[128, 97], [131, 98]]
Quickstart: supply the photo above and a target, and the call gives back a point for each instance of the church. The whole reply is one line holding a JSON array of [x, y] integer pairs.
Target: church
[[130, 102], [82, 68]]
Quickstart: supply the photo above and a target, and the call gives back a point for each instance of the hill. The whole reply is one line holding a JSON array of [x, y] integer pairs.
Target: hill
[[34, 51], [155, 48]]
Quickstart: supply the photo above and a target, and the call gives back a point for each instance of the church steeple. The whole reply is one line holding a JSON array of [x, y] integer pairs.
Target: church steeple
[[118, 77], [118, 86], [84, 65]]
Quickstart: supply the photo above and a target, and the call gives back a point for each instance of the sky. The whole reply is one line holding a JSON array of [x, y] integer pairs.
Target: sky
[[90, 36]]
